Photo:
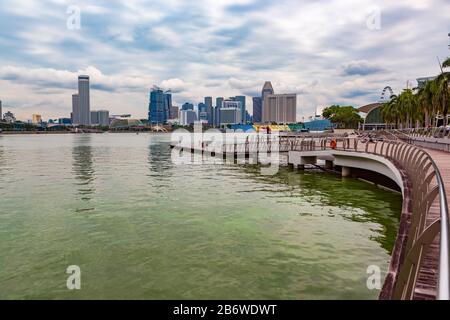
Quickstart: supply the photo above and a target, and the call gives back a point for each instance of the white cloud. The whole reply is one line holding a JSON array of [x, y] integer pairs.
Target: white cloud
[[321, 50]]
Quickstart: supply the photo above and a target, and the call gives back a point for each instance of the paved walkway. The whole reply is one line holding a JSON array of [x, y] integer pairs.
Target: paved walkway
[[427, 281]]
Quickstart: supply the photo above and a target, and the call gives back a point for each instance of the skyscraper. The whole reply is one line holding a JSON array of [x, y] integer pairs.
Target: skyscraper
[[267, 89], [201, 107], [84, 103], [242, 100], [187, 117], [280, 108], [187, 106], [209, 110], [174, 112], [230, 113], [1, 114], [219, 102], [168, 96], [94, 118], [158, 107], [75, 109], [201, 112], [103, 117], [257, 109]]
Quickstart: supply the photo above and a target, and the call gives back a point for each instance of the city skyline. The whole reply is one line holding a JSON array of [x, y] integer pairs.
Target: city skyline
[[325, 53]]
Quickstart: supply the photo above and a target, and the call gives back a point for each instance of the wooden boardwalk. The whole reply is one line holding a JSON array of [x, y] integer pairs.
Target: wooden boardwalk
[[427, 281]]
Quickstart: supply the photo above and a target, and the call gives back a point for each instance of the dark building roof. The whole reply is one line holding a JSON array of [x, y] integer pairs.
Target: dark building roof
[[369, 107], [267, 86]]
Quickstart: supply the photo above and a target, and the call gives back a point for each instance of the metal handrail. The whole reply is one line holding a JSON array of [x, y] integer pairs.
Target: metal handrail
[[443, 290]]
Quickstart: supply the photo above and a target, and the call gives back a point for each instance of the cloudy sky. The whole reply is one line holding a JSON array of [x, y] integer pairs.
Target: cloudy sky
[[326, 51]]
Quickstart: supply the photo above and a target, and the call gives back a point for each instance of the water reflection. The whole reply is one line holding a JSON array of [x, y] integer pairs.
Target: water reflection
[[83, 166], [159, 160], [360, 201], [3, 164]]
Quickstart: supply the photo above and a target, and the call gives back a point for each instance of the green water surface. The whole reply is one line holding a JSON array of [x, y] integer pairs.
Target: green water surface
[[141, 227]]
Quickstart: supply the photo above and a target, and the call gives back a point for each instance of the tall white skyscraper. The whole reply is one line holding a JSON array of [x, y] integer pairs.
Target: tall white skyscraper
[[84, 105]]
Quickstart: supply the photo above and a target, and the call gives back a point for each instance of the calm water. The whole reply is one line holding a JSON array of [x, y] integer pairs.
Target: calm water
[[141, 227]]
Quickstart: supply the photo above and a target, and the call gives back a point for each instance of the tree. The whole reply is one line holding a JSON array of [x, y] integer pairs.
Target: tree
[[446, 63], [343, 116], [389, 111]]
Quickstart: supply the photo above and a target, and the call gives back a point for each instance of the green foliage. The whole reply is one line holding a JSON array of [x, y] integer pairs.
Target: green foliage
[[446, 63], [420, 107], [343, 116]]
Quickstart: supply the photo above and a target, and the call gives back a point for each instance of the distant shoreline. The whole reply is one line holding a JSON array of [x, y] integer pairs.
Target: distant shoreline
[[33, 132], [12, 133]]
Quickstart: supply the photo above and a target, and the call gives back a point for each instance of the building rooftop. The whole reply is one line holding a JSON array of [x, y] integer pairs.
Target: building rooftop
[[267, 86], [369, 107]]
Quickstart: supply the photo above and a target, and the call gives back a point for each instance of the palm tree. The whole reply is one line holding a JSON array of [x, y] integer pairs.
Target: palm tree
[[442, 94], [446, 63], [422, 106], [424, 99], [408, 108], [389, 111]]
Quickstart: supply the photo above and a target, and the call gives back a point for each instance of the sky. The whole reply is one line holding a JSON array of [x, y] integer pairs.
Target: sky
[[327, 51]]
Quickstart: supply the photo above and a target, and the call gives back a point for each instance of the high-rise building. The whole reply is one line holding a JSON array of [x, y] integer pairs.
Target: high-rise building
[[84, 102], [209, 110], [230, 113], [1, 114], [219, 102], [267, 89], [94, 118], [100, 118], [208, 101], [187, 106], [257, 109], [36, 119], [103, 118], [75, 109], [280, 108], [201, 107], [174, 112], [158, 107], [187, 117], [168, 96], [242, 100]]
